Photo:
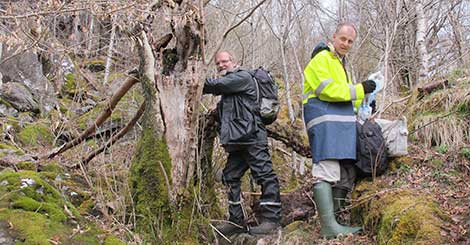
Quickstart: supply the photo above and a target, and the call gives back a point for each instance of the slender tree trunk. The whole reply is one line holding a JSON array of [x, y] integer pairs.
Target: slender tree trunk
[[423, 71], [286, 80], [90, 36], [458, 33], [109, 56], [1, 53]]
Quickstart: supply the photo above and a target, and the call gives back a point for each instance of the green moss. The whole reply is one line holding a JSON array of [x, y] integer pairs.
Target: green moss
[[36, 134], [398, 216], [52, 167], [159, 221], [112, 240], [72, 86], [36, 212], [149, 185], [400, 162], [86, 206], [22, 186], [465, 152], [32, 227], [12, 148], [410, 219], [29, 204], [26, 166]]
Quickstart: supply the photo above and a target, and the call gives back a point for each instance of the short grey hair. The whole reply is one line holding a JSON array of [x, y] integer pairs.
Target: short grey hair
[[343, 24]]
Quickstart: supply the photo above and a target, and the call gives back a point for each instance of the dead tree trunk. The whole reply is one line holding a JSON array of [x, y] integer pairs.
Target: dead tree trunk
[[165, 160]]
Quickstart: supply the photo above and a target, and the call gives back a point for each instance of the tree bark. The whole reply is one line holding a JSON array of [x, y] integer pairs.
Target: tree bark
[[421, 27], [109, 56], [166, 157]]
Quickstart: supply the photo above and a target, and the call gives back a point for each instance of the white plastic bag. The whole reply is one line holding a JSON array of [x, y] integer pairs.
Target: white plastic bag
[[365, 110], [396, 136]]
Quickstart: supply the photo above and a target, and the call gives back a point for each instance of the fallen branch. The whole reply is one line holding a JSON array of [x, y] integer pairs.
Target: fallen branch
[[429, 88], [117, 136], [110, 105], [291, 138]]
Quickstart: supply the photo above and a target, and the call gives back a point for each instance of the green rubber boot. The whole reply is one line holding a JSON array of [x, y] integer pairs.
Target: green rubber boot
[[323, 197]]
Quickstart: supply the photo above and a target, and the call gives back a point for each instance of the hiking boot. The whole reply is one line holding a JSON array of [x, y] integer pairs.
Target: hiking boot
[[323, 197], [230, 228], [265, 228]]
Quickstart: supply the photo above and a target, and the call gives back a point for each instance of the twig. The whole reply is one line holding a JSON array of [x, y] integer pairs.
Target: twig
[[167, 181], [55, 12], [118, 135], [314, 204], [391, 103], [219, 45], [220, 233]]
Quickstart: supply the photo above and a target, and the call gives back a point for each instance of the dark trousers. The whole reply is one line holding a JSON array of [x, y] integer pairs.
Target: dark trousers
[[348, 175], [258, 160]]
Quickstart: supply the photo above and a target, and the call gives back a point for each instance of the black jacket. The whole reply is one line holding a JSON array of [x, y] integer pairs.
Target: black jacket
[[239, 121]]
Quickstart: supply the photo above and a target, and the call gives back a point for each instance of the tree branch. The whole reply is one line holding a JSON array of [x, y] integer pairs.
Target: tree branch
[[219, 45], [117, 136], [110, 105]]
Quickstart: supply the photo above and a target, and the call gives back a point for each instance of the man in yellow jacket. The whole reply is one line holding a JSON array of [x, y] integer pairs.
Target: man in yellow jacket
[[329, 98]]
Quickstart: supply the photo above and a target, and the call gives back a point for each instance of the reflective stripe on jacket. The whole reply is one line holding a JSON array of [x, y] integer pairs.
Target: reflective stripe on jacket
[[326, 79], [328, 111], [331, 129]]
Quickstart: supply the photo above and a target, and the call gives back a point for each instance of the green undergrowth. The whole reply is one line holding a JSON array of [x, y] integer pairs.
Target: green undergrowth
[[36, 134], [7, 147], [397, 216]]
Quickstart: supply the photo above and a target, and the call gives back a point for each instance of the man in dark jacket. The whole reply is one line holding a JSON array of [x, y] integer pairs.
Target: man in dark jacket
[[244, 137]]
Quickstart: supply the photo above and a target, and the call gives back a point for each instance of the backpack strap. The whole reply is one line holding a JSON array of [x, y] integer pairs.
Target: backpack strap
[[256, 85]]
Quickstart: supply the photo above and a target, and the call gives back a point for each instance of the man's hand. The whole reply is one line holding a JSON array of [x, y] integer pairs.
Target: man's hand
[[369, 86], [373, 105]]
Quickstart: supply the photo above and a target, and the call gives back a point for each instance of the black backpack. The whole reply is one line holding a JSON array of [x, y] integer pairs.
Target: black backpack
[[266, 94], [371, 150]]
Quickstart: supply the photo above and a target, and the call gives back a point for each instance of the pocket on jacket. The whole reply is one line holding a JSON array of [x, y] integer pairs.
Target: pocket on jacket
[[238, 130]]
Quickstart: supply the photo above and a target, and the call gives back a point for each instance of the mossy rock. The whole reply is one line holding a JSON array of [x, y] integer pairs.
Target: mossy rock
[[400, 162], [36, 134], [7, 147], [26, 166], [398, 216], [72, 86], [37, 212]]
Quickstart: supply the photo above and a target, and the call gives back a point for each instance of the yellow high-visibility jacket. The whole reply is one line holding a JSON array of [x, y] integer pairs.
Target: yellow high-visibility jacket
[[327, 80]]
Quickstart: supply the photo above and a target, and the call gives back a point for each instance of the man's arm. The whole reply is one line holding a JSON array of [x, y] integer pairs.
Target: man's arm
[[329, 89], [232, 83]]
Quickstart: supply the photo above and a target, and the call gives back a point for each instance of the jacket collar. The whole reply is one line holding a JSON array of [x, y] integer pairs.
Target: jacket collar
[[335, 54]]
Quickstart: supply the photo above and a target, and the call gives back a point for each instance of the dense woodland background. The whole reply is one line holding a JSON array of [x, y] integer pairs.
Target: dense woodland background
[[106, 137]]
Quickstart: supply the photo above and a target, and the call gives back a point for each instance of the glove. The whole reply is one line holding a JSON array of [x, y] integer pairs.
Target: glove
[[369, 86], [373, 105], [209, 80]]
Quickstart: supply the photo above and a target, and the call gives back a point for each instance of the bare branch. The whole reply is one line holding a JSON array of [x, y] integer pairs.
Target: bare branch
[[224, 36], [117, 136], [110, 105]]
